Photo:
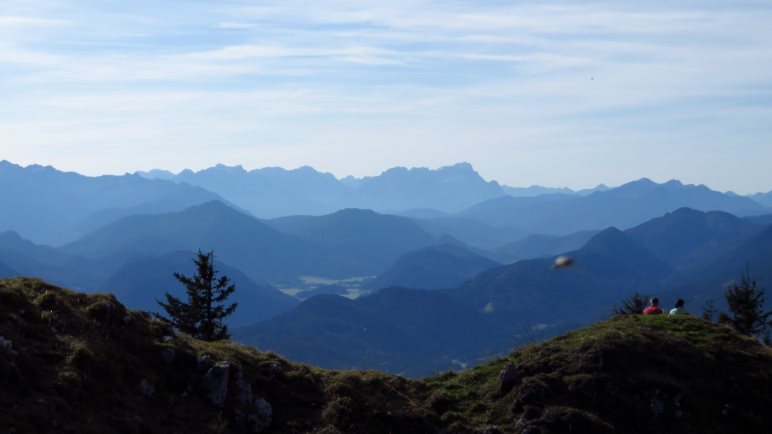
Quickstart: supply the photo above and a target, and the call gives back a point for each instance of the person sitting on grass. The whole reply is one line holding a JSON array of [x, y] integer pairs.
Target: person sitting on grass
[[653, 308], [679, 308]]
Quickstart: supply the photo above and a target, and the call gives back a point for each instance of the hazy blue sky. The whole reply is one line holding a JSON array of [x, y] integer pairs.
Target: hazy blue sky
[[553, 93]]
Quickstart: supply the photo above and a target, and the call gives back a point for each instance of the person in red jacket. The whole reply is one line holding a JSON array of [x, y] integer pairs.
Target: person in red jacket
[[653, 308]]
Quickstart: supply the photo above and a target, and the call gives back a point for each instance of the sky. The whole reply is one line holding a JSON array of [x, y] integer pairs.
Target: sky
[[560, 93]]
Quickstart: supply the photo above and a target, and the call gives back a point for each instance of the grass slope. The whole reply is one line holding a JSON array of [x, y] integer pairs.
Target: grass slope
[[83, 363], [631, 374]]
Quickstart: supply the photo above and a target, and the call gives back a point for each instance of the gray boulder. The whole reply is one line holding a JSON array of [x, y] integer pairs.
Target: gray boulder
[[260, 419], [205, 362], [215, 383], [241, 390], [509, 376]]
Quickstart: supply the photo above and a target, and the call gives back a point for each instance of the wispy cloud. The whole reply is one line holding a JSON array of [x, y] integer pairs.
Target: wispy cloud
[[18, 21], [505, 86], [232, 25]]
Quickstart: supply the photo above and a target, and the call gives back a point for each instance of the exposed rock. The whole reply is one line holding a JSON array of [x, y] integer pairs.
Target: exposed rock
[[168, 355], [167, 338], [204, 362], [215, 383], [508, 378], [146, 387], [239, 392], [260, 419]]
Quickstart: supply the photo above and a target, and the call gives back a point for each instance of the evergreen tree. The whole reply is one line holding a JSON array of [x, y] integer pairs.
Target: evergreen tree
[[201, 316], [746, 306], [632, 305]]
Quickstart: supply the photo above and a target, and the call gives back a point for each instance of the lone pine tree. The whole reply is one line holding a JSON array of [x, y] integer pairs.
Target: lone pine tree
[[201, 316], [746, 306], [632, 305]]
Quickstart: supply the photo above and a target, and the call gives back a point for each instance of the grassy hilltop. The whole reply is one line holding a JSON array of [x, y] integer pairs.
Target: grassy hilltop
[[77, 363]]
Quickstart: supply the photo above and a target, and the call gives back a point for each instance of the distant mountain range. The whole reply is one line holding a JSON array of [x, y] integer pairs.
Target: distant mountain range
[[471, 232], [686, 237], [428, 194], [537, 246], [609, 267], [683, 254], [371, 240], [275, 192], [269, 192], [434, 267], [52, 264], [763, 198], [537, 190], [70, 205], [623, 207], [340, 245], [52, 207], [707, 281], [238, 239]]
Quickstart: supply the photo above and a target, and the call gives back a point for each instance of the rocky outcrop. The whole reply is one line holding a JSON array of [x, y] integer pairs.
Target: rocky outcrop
[[224, 386], [509, 376], [214, 384], [261, 418]]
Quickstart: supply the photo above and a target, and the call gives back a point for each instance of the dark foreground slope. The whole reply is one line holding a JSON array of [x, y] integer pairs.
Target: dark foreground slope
[[80, 363], [630, 374]]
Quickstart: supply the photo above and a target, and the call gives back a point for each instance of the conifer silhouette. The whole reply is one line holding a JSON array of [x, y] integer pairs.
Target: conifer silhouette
[[746, 306], [201, 316]]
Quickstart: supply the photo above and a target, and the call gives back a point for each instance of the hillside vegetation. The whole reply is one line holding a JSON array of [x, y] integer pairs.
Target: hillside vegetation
[[77, 363]]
